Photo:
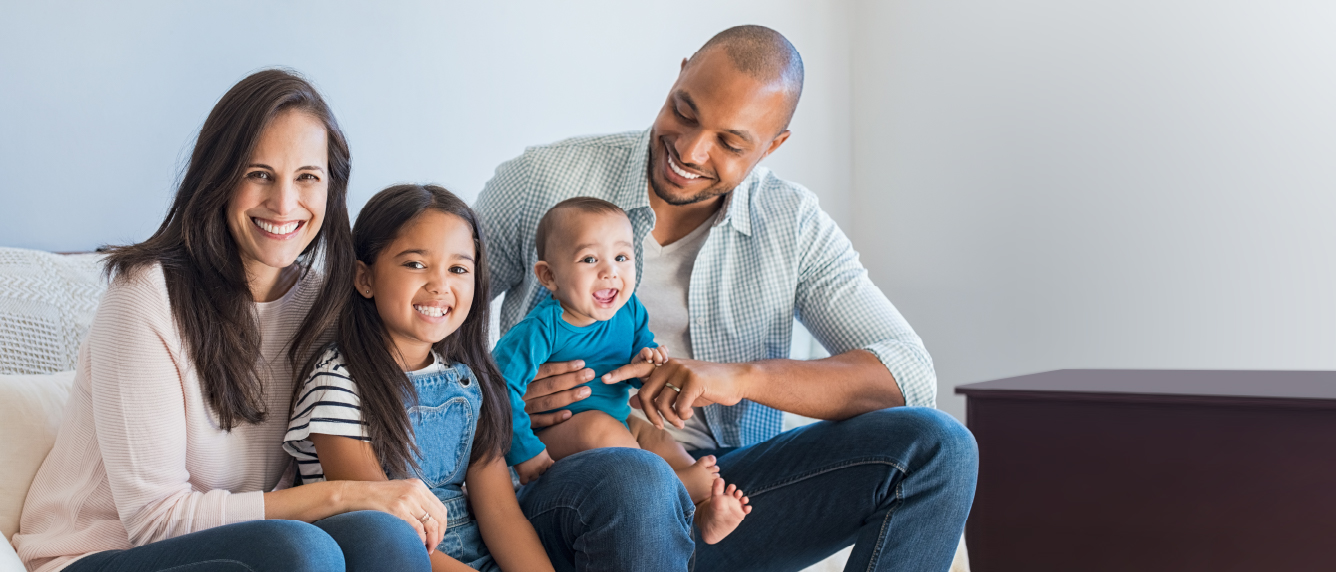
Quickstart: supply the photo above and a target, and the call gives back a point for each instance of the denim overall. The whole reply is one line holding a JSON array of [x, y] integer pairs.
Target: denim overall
[[444, 421]]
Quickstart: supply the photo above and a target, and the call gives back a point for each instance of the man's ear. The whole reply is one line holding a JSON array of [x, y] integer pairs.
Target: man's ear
[[362, 280], [545, 276], [776, 142], [684, 65]]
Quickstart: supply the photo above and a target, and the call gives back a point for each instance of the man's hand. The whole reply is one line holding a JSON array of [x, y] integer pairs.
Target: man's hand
[[555, 387], [533, 468], [671, 390]]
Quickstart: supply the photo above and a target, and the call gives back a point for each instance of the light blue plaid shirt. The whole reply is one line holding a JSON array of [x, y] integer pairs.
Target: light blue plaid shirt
[[773, 256]]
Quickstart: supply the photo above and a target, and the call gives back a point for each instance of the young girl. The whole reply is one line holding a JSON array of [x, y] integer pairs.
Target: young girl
[[401, 394]]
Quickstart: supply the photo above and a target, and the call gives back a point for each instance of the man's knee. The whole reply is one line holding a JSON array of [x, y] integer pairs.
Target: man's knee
[[929, 430]]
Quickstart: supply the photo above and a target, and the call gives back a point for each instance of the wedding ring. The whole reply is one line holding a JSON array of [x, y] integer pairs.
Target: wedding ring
[[675, 388], [426, 516]]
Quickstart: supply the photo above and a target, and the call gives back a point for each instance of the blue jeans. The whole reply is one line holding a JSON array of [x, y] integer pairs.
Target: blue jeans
[[895, 483], [363, 540]]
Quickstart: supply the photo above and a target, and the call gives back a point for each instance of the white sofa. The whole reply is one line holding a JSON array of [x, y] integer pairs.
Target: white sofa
[[47, 302]]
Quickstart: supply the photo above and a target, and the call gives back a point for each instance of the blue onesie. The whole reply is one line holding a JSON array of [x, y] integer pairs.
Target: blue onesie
[[543, 336]]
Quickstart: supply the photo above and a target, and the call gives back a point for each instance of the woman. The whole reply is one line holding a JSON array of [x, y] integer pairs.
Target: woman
[[171, 436]]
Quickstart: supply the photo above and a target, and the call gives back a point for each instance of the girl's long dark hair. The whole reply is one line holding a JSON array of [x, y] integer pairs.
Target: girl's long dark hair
[[208, 291], [382, 385]]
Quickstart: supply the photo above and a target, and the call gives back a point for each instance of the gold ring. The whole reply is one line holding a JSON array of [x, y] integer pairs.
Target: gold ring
[[674, 387]]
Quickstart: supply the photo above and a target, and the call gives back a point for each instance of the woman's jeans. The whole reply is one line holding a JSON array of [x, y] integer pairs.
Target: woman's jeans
[[896, 483], [363, 540]]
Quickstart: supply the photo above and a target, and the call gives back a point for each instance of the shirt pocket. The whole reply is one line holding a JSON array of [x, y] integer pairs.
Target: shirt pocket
[[443, 435]]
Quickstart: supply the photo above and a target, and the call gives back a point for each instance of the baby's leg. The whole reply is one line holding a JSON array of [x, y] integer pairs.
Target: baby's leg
[[719, 509], [698, 476], [584, 431]]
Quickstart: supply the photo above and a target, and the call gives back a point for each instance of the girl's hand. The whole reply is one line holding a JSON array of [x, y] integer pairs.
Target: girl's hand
[[533, 468], [408, 499]]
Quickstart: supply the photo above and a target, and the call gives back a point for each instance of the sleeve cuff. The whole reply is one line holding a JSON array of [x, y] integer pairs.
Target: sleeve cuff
[[912, 369]]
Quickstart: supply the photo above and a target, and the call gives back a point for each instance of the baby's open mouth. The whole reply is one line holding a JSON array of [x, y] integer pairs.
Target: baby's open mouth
[[606, 295]]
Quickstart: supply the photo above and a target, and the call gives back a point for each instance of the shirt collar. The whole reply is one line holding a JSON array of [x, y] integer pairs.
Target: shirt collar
[[634, 191]]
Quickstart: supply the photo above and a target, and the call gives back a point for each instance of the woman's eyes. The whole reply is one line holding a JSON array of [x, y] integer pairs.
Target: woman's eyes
[[266, 176], [259, 175], [307, 177]]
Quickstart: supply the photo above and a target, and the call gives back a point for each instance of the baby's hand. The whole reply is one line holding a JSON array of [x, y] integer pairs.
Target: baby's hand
[[531, 469], [656, 356]]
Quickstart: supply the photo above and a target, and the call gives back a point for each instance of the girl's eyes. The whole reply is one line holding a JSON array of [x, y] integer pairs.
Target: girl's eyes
[[459, 269], [415, 265]]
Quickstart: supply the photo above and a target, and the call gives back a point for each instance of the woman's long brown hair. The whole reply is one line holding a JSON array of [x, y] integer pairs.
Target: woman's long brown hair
[[207, 286], [385, 390]]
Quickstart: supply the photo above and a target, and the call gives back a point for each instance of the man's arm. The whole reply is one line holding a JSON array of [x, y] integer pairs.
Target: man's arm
[[498, 207], [880, 362]]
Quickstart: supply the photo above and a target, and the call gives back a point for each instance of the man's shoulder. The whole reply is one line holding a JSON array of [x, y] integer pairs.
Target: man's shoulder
[[772, 198], [581, 154], [546, 174]]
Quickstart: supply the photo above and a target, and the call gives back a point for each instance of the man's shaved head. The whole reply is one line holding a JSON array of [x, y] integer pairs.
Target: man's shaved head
[[763, 54]]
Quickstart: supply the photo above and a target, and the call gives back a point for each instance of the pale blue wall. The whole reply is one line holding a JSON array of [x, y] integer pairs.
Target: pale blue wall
[[99, 101]]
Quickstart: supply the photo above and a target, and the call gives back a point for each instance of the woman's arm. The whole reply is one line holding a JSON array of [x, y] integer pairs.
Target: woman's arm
[[508, 535], [355, 481]]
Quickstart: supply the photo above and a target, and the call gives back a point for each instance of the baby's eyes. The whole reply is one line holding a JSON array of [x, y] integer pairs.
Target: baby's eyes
[[622, 258], [589, 260]]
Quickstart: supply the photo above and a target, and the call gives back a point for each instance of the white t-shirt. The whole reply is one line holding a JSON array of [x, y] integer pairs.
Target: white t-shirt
[[664, 282], [329, 405]]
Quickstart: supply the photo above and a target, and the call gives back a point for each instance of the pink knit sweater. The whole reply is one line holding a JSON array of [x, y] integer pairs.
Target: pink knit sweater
[[140, 456]]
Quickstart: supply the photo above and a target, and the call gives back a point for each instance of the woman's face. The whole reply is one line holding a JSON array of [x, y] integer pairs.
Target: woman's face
[[277, 209]]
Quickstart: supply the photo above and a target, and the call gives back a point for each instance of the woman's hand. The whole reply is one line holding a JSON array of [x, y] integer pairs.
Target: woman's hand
[[534, 468], [408, 499], [555, 387]]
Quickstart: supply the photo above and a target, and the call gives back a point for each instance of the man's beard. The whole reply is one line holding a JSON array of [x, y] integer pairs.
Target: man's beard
[[709, 193]]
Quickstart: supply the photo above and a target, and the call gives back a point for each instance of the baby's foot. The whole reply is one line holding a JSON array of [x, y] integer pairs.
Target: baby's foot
[[717, 516], [699, 477]]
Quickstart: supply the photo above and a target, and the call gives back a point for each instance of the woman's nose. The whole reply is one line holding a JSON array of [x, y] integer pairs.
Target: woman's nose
[[284, 198]]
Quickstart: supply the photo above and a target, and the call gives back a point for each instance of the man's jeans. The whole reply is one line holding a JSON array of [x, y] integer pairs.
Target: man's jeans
[[896, 483]]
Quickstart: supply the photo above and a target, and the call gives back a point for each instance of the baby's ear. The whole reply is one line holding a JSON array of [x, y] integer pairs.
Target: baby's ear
[[545, 276]]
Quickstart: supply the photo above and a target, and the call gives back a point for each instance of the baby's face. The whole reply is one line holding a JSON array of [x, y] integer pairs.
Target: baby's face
[[592, 267]]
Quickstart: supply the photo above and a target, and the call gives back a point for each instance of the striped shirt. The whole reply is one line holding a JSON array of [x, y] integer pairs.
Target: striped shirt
[[328, 404], [773, 256]]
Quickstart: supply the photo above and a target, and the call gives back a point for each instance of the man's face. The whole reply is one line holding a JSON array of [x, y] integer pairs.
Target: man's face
[[717, 124]]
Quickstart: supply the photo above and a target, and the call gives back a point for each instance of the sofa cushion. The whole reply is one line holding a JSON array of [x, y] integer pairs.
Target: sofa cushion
[[47, 303], [31, 407]]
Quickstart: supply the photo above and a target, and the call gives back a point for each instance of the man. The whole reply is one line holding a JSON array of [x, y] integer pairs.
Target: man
[[727, 255]]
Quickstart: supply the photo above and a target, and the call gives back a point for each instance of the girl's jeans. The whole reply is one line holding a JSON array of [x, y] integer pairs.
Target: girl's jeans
[[895, 483], [363, 540]]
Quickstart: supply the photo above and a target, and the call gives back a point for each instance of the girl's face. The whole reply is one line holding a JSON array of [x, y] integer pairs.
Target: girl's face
[[277, 209], [422, 283]]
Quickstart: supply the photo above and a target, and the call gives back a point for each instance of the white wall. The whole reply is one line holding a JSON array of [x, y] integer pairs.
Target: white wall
[[99, 102], [1046, 184]]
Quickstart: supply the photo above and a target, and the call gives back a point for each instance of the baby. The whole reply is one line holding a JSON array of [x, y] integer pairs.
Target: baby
[[586, 259]]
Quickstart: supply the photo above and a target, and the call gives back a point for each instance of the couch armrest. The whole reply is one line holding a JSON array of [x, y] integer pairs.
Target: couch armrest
[[9, 561]]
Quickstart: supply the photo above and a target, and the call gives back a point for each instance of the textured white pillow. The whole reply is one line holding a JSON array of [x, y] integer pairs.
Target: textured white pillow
[[31, 407]]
